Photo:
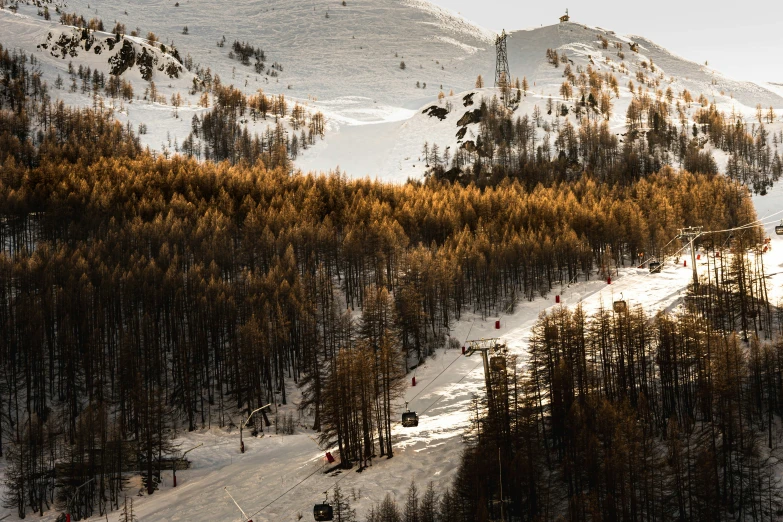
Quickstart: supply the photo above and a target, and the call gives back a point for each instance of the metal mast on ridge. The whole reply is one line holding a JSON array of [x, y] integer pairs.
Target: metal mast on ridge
[[502, 75]]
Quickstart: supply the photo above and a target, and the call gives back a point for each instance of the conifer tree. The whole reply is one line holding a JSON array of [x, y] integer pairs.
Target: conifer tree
[[126, 515], [388, 511], [411, 512], [342, 506], [429, 505]]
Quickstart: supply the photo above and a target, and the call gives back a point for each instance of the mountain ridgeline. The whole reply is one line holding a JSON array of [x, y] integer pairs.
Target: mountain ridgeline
[[567, 128]]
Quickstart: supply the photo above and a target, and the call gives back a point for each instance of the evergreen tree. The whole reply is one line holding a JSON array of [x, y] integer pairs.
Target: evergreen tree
[[411, 512], [342, 506], [429, 505], [388, 511], [126, 515]]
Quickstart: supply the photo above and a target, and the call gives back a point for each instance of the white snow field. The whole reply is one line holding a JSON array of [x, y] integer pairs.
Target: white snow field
[[345, 61]]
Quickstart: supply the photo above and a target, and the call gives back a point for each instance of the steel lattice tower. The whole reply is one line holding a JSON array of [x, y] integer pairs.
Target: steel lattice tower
[[502, 76]]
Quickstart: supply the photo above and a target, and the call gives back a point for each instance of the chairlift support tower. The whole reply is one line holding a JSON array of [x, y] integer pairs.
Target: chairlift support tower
[[243, 424], [502, 75], [690, 234], [485, 346]]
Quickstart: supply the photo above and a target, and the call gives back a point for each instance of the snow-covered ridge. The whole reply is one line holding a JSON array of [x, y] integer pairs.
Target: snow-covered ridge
[[465, 47], [526, 52], [347, 61], [122, 55], [452, 21]]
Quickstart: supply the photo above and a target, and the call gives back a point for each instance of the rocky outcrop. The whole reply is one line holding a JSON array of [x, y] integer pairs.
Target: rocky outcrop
[[469, 117], [123, 60], [146, 62], [436, 112], [123, 54]]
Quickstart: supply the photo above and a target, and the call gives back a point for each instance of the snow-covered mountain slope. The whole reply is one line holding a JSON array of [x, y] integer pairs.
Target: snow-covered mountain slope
[[527, 48], [331, 52], [345, 60], [130, 58], [777, 88], [649, 66], [155, 93], [328, 51], [124, 56], [392, 150]]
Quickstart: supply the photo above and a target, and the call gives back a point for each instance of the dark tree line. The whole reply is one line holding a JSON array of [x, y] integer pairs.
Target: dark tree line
[[222, 134], [754, 157], [243, 51]]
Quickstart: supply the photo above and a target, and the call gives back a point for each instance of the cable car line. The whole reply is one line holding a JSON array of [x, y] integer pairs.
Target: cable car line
[[282, 495], [753, 224], [398, 422], [435, 378], [459, 381], [630, 283], [346, 474]]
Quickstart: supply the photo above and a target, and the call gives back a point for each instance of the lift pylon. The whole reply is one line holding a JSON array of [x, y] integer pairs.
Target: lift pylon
[[690, 234], [502, 74], [487, 346]]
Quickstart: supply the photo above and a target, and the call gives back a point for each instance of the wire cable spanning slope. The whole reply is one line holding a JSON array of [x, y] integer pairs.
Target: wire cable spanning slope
[[626, 284], [634, 281], [273, 501], [286, 492]]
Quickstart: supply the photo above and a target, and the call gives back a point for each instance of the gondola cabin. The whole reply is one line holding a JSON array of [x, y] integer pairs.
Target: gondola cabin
[[779, 230], [655, 267], [409, 420], [323, 512], [620, 307]]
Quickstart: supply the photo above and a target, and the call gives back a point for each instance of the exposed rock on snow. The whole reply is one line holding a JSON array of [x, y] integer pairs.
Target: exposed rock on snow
[[70, 42]]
